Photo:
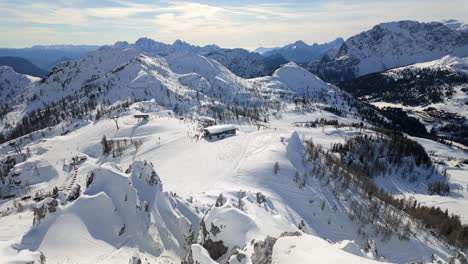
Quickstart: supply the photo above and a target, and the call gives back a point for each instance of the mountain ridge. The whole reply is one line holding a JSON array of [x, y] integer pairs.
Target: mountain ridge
[[300, 52], [389, 45]]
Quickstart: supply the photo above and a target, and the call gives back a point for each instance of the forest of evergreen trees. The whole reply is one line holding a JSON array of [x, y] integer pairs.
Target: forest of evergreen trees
[[390, 215]]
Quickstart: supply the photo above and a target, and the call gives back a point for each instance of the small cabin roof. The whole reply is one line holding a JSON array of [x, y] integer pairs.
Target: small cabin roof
[[220, 128]]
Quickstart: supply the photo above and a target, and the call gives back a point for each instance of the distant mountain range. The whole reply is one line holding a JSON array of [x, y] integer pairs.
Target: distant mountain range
[[300, 52], [46, 57], [21, 65]]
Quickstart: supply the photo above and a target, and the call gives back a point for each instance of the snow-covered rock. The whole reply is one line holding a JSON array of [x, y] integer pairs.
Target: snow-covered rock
[[119, 211], [310, 249]]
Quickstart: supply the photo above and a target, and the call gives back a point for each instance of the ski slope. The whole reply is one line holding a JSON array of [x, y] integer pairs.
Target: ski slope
[[192, 172]]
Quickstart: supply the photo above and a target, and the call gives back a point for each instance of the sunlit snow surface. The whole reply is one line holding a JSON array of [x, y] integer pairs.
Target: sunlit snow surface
[[85, 231]]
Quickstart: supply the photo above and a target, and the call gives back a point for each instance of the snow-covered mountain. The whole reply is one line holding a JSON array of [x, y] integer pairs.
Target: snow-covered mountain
[[106, 160], [390, 45], [300, 52], [239, 61], [183, 82], [13, 84]]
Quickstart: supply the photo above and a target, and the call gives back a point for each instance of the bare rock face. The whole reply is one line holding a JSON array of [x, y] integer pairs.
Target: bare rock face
[[135, 259], [40, 210], [370, 247], [189, 258], [261, 198], [263, 251], [460, 258], [216, 249], [220, 201], [238, 256], [74, 193]]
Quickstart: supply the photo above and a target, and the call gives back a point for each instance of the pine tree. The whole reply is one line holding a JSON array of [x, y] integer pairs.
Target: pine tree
[[276, 168], [106, 148]]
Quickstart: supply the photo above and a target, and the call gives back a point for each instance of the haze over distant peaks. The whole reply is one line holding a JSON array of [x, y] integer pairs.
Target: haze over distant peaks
[[300, 52]]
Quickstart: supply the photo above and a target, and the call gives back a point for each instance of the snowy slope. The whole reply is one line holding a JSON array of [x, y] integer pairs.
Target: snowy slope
[[300, 80], [237, 167], [449, 62]]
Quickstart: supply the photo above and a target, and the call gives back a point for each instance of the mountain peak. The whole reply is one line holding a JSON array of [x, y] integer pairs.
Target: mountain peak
[[300, 52], [393, 44], [300, 43], [179, 42], [456, 25]]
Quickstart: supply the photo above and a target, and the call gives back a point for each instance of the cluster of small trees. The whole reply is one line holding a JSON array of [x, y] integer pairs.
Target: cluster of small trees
[[366, 208], [334, 110], [50, 115], [372, 156], [388, 219], [440, 188], [5, 167], [319, 122], [391, 118], [116, 147], [69, 107], [4, 109]]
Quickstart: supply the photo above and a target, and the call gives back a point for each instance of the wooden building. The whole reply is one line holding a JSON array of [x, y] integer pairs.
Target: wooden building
[[220, 131], [141, 116]]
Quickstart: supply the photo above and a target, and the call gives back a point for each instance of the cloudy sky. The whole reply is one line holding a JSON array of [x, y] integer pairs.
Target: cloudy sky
[[241, 23]]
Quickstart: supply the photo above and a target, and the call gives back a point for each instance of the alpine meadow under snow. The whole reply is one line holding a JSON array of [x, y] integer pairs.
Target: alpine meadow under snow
[[352, 151]]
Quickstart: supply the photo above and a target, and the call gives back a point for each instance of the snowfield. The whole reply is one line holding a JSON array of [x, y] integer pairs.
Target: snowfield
[[191, 174]]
